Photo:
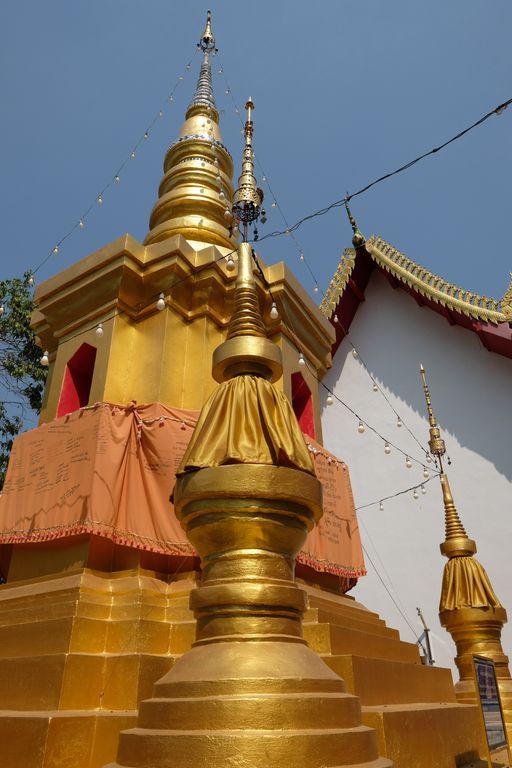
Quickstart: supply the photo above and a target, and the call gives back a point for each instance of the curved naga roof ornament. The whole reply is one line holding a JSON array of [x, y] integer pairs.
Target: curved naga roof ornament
[[422, 281]]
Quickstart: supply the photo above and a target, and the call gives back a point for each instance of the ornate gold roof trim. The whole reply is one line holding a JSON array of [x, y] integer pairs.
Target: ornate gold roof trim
[[421, 280], [339, 282]]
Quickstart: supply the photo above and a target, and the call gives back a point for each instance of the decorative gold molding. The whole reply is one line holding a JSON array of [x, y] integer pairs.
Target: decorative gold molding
[[423, 281], [338, 282]]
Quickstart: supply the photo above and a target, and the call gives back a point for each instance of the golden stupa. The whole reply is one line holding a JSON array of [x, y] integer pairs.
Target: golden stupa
[[469, 608], [111, 654]]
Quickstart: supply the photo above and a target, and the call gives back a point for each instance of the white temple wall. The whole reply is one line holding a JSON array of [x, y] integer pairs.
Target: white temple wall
[[471, 393]]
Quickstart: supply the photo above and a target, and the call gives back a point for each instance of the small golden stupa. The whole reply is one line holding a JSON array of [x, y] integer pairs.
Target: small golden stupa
[[469, 608]]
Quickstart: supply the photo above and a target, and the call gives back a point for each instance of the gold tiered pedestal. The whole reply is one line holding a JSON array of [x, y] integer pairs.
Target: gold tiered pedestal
[[250, 692]]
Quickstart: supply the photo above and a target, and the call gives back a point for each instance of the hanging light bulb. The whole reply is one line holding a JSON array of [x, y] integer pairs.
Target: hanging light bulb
[[301, 257], [408, 462], [263, 178], [423, 490], [360, 427], [226, 91], [429, 458], [171, 97], [117, 178], [381, 506], [56, 250], [336, 319], [375, 387], [415, 494], [220, 70], [222, 194], [132, 155], [99, 330], [228, 215], [354, 353], [188, 66], [160, 304], [30, 281], [329, 400], [274, 314], [45, 360], [274, 204], [230, 264], [160, 114], [399, 422], [301, 359], [387, 448], [425, 473], [100, 200], [2, 309], [81, 224], [315, 289]]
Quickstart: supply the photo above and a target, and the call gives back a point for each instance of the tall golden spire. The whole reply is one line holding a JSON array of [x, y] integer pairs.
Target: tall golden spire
[[457, 543], [196, 190], [247, 349]]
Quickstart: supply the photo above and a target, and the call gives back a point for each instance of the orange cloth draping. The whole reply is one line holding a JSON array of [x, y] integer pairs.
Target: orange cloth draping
[[247, 420], [110, 470], [466, 585]]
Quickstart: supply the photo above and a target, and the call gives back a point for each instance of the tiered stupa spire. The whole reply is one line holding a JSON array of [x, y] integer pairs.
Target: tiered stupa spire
[[250, 692], [469, 608], [196, 190]]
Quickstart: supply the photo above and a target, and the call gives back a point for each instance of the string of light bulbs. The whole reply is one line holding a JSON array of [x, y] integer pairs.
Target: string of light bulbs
[[115, 179], [158, 300]]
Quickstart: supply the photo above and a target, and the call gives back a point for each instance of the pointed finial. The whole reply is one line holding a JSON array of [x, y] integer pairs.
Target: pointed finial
[[247, 350], [436, 443], [358, 238], [248, 198], [207, 41], [203, 97], [457, 543]]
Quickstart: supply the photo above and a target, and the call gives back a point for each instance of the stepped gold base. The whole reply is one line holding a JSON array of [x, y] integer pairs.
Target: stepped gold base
[[79, 653]]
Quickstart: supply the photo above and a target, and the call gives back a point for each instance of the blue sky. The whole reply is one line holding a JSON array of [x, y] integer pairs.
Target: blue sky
[[344, 92]]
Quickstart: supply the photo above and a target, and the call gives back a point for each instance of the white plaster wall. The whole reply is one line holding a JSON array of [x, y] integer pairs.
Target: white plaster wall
[[471, 393]]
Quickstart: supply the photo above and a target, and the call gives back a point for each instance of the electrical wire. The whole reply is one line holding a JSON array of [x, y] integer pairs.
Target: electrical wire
[[338, 203]]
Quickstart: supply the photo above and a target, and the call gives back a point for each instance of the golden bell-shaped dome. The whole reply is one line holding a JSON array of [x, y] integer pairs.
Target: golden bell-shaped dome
[[195, 194]]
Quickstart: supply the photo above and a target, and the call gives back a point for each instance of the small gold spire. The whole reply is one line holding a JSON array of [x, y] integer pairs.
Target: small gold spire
[[436, 443], [207, 41], [358, 238], [248, 197], [457, 543], [247, 349]]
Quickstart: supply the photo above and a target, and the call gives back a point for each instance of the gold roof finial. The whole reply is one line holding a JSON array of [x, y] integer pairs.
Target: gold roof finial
[[247, 349], [457, 543], [358, 238]]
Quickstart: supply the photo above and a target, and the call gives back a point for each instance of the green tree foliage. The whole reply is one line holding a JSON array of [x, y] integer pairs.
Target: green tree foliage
[[22, 376]]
